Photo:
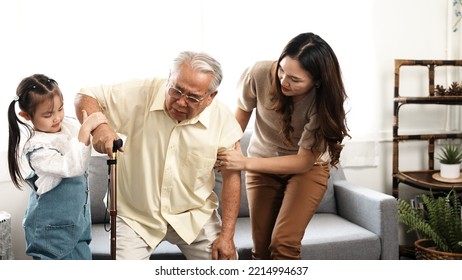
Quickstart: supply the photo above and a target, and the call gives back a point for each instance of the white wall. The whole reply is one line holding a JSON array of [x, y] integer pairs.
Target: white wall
[[87, 42]]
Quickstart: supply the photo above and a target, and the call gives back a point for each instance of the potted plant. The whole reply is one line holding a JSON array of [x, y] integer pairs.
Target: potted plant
[[438, 224], [450, 159]]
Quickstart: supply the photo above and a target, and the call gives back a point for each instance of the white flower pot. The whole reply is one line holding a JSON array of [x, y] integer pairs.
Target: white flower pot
[[450, 171]]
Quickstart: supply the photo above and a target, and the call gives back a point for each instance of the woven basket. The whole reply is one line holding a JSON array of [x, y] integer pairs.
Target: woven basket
[[424, 251]]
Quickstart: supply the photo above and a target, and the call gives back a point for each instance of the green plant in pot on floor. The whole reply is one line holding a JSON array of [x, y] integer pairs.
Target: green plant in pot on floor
[[450, 158], [438, 224]]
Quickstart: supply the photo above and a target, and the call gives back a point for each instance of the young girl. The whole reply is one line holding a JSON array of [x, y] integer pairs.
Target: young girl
[[57, 221], [299, 129]]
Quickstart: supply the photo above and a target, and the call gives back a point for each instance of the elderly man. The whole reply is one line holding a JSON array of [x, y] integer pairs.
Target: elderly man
[[174, 129]]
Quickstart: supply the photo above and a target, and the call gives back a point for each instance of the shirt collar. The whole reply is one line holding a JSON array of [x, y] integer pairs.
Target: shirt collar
[[204, 117], [159, 97]]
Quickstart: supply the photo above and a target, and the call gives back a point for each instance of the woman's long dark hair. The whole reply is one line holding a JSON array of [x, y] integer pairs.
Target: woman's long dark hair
[[318, 58], [30, 92]]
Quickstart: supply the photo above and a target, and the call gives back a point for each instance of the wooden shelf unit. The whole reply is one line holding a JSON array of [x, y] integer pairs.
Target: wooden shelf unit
[[421, 179]]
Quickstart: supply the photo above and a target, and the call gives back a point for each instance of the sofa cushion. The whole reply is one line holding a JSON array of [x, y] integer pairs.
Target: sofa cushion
[[100, 244], [243, 238], [98, 184], [328, 203], [244, 206], [331, 237]]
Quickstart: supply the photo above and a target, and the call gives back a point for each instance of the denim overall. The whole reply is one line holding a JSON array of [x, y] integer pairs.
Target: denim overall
[[57, 224]]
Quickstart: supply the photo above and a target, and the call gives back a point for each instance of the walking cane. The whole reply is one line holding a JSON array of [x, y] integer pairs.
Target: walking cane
[[112, 166]]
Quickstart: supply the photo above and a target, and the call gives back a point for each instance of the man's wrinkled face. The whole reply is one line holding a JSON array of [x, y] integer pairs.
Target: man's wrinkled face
[[187, 94]]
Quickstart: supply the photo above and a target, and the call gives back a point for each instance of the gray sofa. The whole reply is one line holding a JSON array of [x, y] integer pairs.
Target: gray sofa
[[351, 223]]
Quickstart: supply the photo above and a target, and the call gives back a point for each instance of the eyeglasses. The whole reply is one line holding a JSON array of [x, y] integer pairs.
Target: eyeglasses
[[190, 98]]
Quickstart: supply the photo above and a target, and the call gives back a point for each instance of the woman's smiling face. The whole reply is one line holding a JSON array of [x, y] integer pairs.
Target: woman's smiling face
[[295, 81]]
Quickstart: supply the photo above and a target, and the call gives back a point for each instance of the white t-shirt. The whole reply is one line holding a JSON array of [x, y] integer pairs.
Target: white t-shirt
[[54, 156]]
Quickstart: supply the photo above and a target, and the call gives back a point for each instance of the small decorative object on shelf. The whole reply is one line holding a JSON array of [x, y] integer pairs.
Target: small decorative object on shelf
[[450, 158], [454, 90], [437, 221]]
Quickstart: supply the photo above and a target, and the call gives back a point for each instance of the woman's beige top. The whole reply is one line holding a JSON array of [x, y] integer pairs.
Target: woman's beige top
[[255, 93]]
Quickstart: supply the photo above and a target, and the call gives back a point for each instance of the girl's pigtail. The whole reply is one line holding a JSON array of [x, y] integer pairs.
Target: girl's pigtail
[[14, 139]]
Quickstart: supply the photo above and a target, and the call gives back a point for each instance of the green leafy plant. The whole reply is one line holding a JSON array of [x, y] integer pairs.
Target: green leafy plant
[[450, 154], [439, 220]]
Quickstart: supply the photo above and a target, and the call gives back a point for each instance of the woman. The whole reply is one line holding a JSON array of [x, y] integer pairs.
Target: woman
[[299, 128]]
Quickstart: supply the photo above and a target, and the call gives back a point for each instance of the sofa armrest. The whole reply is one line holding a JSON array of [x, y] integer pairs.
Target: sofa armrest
[[372, 210]]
